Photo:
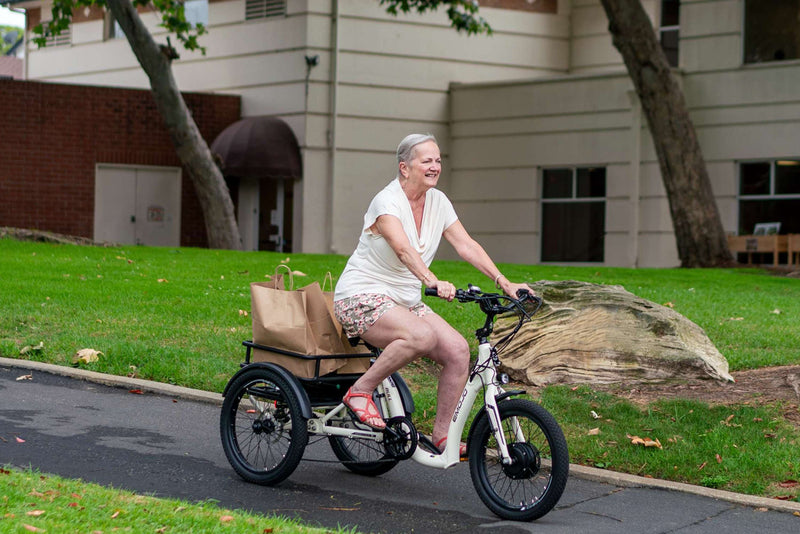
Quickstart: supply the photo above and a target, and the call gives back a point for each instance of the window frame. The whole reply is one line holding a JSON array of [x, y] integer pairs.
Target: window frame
[[573, 199], [773, 162], [769, 197], [743, 51], [663, 29]]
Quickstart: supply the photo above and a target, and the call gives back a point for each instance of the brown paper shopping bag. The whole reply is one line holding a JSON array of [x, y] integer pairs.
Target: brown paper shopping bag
[[297, 321], [351, 365]]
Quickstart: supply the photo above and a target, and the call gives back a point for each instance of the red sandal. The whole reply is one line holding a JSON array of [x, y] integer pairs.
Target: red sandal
[[369, 414]]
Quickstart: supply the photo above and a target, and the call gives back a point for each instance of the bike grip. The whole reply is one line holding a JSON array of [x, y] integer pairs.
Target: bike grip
[[431, 292]]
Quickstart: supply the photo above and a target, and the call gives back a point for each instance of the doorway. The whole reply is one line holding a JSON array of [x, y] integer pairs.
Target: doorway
[[137, 205]]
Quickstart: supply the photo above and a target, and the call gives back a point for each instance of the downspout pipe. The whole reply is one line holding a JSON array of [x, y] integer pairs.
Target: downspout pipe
[[635, 177], [334, 106]]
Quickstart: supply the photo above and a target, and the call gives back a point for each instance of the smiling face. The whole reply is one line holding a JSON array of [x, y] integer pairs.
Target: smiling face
[[425, 166]]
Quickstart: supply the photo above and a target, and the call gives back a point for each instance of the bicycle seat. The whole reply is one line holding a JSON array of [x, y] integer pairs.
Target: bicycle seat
[[354, 341]]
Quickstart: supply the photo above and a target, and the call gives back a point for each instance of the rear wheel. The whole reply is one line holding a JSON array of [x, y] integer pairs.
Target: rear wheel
[[262, 428], [362, 456], [531, 485]]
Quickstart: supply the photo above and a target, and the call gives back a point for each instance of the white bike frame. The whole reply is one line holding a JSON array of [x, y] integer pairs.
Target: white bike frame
[[392, 405]]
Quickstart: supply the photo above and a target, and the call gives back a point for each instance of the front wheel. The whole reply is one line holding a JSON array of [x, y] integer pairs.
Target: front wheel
[[262, 427], [531, 485]]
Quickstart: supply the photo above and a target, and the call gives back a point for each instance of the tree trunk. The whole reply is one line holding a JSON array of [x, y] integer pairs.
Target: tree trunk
[[192, 150], [698, 228]]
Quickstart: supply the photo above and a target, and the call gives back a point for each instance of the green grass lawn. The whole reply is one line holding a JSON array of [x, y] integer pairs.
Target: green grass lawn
[[180, 315], [35, 502]]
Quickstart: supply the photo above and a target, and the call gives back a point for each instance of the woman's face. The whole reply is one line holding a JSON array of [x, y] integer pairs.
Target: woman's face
[[425, 166]]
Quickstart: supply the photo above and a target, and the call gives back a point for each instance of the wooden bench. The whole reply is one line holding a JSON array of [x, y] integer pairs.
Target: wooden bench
[[774, 243], [794, 249]]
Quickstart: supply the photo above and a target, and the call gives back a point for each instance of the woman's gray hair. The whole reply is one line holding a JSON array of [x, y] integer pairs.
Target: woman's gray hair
[[405, 150]]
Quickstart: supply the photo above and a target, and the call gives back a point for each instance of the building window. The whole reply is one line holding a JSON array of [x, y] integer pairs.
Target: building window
[[261, 9], [669, 33], [111, 28], [196, 11], [769, 191], [573, 214], [771, 30]]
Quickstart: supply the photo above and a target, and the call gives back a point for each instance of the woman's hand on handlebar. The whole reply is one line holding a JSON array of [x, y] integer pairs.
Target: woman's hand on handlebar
[[513, 290], [444, 290]]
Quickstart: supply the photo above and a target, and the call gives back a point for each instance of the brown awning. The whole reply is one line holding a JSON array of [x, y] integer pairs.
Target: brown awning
[[258, 147]]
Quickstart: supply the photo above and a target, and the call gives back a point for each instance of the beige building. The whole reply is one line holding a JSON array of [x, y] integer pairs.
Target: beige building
[[547, 154]]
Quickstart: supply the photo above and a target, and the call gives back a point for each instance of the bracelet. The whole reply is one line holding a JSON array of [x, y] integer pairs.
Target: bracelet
[[497, 279]]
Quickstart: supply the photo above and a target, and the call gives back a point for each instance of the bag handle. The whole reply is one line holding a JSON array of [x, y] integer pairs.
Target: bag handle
[[328, 279], [288, 270]]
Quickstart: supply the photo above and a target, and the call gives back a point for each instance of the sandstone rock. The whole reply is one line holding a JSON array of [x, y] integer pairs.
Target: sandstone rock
[[590, 333]]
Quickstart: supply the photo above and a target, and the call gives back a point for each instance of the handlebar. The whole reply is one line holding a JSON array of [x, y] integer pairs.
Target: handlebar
[[491, 305]]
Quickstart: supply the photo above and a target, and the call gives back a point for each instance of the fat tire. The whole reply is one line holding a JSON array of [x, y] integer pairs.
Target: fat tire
[[531, 493], [362, 457], [263, 431]]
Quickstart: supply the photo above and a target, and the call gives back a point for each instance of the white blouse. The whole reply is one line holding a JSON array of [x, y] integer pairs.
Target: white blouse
[[374, 267]]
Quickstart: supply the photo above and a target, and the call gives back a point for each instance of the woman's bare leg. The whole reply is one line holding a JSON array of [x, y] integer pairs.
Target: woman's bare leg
[[405, 337]]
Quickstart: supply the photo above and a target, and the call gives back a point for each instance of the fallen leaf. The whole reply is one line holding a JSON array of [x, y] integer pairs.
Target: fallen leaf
[[796, 514], [244, 313], [24, 377], [593, 432], [702, 466], [27, 348], [86, 356], [136, 391], [776, 311], [286, 260], [669, 304], [789, 484], [719, 459], [73, 505], [35, 513], [162, 281], [299, 273], [594, 415], [647, 442], [115, 515], [161, 530], [19, 439], [736, 319], [226, 518], [31, 528]]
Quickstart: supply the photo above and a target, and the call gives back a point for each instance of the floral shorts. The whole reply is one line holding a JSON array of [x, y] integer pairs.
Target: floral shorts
[[359, 312]]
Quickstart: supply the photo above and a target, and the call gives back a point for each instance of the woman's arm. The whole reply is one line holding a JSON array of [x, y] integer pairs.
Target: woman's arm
[[392, 231], [471, 251]]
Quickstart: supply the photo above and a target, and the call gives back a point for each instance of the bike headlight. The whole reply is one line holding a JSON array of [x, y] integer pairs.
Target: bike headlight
[[504, 378]]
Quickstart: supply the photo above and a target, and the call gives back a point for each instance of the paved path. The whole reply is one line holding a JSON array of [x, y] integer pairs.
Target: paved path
[[166, 442]]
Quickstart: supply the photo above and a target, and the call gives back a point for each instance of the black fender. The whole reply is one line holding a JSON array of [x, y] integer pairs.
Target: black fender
[[405, 393], [482, 412], [294, 384]]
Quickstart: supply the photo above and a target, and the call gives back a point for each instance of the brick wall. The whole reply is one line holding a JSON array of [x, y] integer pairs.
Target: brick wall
[[54, 134]]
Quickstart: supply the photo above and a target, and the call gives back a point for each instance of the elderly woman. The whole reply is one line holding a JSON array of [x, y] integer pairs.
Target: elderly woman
[[377, 296]]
